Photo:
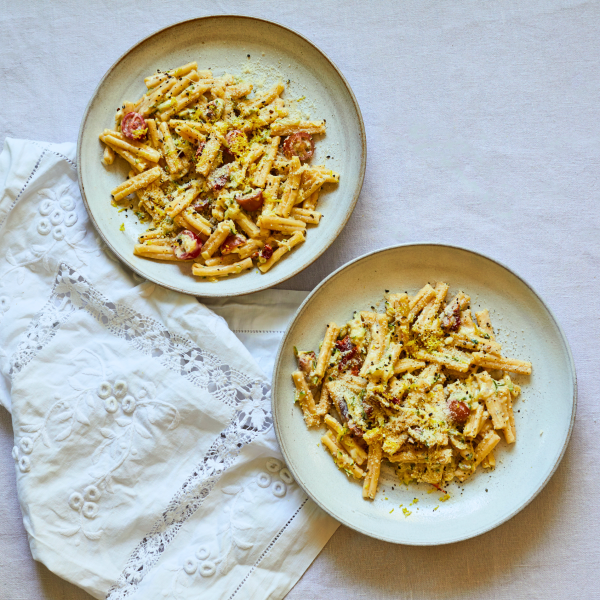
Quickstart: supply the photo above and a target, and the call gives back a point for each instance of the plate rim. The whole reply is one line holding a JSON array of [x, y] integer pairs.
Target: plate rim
[[275, 391], [284, 277]]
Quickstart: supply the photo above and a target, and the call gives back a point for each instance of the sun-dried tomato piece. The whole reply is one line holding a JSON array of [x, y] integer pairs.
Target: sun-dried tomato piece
[[344, 345], [266, 252], [349, 355]]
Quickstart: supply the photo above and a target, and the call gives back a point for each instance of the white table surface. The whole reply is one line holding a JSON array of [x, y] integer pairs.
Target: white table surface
[[484, 131]]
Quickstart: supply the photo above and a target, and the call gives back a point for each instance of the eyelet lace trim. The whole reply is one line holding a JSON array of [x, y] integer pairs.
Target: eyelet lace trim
[[250, 399]]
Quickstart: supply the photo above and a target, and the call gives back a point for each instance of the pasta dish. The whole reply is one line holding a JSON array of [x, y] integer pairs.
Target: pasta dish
[[221, 177], [423, 386]]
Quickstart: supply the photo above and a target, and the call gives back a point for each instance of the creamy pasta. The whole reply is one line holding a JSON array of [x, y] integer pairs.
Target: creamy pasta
[[220, 174], [423, 386]]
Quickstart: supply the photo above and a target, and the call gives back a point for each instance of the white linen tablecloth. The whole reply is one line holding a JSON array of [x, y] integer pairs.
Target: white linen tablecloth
[[483, 131]]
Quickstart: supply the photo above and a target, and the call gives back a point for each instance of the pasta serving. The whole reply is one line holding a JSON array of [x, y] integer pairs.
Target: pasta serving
[[423, 386], [221, 176]]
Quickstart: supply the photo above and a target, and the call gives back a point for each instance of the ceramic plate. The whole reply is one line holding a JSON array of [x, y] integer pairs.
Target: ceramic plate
[[223, 43], [544, 413]]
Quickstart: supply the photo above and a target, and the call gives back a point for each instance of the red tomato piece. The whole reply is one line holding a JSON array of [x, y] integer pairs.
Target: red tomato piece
[[133, 126], [218, 179], [201, 205], [299, 144], [231, 243], [459, 411], [228, 157], [451, 322], [252, 201], [187, 245], [236, 141], [214, 109], [266, 252]]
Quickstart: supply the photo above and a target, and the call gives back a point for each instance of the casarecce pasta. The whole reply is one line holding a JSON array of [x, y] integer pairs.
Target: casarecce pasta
[[220, 176], [423, 386]]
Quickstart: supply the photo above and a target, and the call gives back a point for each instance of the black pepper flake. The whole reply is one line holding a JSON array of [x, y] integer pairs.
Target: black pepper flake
[[387, 291], [248, 56]]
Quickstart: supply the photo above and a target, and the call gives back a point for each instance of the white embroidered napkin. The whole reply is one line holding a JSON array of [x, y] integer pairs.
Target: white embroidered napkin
[[145, 455], [259, 320]]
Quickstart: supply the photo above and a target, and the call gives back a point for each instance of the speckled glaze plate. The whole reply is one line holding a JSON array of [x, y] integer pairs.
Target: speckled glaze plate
[[223, 44], [544, 413]]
